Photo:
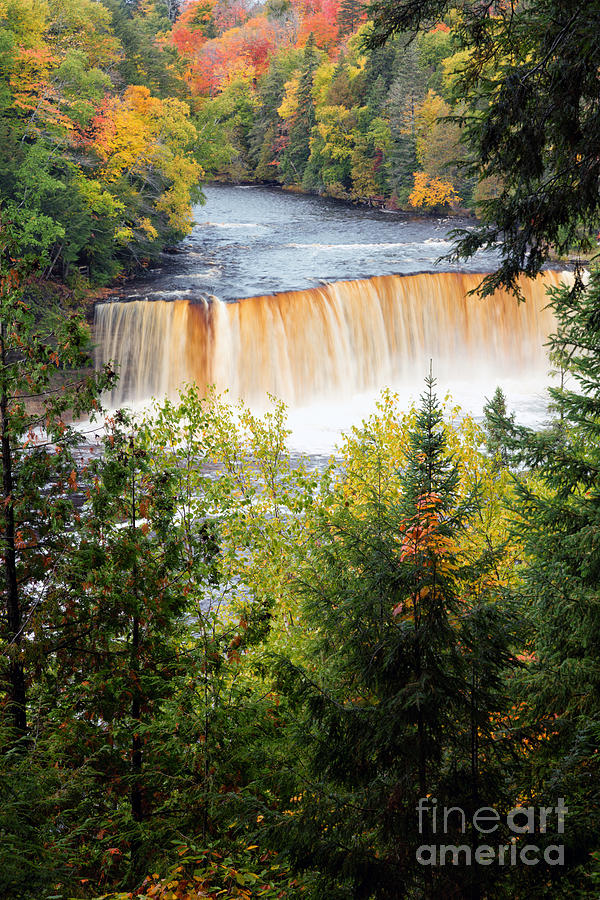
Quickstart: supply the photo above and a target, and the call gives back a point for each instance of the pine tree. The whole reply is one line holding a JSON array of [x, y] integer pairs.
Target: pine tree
[[406, 91], [532, 122], [128, 584], [298, 150], [406, 678], [38, 395], [497, 425], [558, 521], [351, 13], [265, 131]]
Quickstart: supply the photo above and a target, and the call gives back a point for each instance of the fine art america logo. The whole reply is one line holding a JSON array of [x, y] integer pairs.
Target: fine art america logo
[[436, 822]]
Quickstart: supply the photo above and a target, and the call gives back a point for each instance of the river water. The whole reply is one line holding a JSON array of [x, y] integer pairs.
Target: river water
[[333, 339], [254, 240]]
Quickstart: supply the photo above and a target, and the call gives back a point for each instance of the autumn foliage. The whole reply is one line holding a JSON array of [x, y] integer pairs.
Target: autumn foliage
[[289, 94], [98, 175], [431, 192]]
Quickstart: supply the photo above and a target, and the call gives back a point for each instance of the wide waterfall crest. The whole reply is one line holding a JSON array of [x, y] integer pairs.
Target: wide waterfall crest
[[328, 342]]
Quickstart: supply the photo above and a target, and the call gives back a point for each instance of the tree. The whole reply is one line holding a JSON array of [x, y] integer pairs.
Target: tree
[[498, 425], [351, 14], [557, 516], [405, 94], [297, 152], [370, 157], [172, 9], [529, 81], [431, 191], [402, 690], [142, 144], [62, 71], [37, 349], [266, 128]]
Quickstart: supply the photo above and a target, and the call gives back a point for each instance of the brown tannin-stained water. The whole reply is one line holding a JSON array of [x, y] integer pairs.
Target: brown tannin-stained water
[[327, 350]]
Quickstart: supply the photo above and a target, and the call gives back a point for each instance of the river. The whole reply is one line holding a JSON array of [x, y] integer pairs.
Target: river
[[338, 302]]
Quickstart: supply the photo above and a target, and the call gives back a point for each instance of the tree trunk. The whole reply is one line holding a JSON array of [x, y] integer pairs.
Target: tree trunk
[[16, 673], [136, 741]]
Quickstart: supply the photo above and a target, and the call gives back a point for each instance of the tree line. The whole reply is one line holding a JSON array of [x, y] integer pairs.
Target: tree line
[[294, 95], [113, 112], [97, 143]]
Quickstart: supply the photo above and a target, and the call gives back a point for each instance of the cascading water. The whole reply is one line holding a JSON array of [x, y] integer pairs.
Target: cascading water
[[327, 343]]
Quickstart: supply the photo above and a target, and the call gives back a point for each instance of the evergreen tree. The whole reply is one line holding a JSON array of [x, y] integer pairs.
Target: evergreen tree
[[340, 91], [497, 425], [530, 83], [400, 699], [350, 15], [298, 150], [146, 60], [406, 91], [128, 583], [38, 393], [265, 131], [558, 521]]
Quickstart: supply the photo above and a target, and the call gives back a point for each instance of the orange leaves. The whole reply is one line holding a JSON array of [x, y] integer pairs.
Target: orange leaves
[[421, 534], [196, 16], [121, 132], [424, 545], [527, 657], [245, 48], [9, 283], [142, 135], [33, 92], [323, 25], [246, 44]]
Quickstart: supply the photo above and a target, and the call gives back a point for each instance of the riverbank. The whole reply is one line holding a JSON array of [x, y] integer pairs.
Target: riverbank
[[388, 204]]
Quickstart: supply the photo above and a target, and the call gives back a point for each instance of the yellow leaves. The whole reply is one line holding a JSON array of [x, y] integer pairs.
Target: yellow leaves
[[146, 138], [26, 18], [335, 127], [176, 208], [97, 198], [124, 236], [84, 25], [322, 82], [127, 138], [427, 116], [289, 104], [148, 228], [430, 191]]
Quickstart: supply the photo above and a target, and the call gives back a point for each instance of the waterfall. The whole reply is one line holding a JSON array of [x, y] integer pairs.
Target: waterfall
[[327, 342]]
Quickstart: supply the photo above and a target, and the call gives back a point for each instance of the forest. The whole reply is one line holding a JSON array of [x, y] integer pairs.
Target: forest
[[112, 114], [225, 672]]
